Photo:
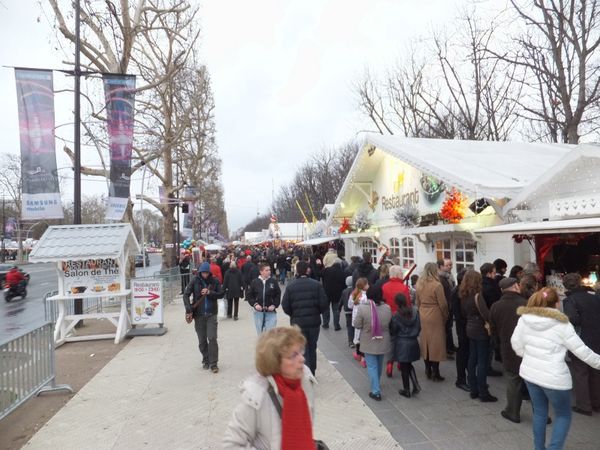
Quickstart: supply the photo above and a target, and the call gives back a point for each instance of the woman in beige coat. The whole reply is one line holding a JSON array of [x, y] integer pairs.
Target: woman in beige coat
[[433, 311], [277, 406]]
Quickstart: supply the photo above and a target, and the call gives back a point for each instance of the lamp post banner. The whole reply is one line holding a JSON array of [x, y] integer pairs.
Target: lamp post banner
[[119, 92], [35, 100], [188, 218]]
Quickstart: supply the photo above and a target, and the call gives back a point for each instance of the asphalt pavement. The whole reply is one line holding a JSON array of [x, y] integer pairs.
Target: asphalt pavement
[[21, 315]]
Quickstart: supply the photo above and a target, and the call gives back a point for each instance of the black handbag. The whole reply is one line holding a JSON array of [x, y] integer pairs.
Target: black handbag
[[319, 445]]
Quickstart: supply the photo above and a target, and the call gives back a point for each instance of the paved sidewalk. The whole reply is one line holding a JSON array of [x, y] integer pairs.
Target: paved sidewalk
[[155, 395], [443, 417]]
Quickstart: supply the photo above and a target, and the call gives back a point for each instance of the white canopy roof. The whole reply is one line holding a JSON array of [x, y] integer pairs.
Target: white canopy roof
[[489, 169], [486, 168], [80, 242], [318, 241], [591, 224], [585, 158]]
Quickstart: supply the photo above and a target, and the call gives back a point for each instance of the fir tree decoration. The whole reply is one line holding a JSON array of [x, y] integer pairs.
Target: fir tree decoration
[[407, 216], [453, 208], [362, 220]]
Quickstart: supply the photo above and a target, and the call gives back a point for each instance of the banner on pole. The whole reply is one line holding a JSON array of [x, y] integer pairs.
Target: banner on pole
[[10, 229], [189, 194], [35, 99], [119, 92]]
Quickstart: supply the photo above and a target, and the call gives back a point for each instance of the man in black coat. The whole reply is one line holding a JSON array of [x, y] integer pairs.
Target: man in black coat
[[503, 321], [206, 290], [249, 272], [334, 282], [445, 274], [264, 295], [365, 270], [491, 294], [583, 310], [304, 300]]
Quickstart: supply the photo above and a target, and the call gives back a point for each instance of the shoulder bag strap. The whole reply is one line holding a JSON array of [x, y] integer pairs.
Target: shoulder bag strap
[[275, 400]]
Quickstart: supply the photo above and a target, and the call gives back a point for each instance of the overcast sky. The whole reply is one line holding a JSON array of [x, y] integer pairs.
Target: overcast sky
[[282, 71]]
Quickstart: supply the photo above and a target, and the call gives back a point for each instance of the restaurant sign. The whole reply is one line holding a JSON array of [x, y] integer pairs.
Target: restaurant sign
[[90, 276]]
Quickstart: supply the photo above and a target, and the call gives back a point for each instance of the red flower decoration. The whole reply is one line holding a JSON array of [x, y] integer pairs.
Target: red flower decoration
[[345, 228], [453, 208]]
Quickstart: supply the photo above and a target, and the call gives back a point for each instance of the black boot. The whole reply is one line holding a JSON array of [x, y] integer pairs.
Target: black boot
[[427, 369], [435, 367], [415, 381]]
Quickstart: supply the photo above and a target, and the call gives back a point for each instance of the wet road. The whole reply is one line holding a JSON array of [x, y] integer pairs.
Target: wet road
[[19, 316]]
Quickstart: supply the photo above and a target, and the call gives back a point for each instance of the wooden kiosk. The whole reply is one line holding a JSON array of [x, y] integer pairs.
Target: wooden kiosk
[[90, 263]]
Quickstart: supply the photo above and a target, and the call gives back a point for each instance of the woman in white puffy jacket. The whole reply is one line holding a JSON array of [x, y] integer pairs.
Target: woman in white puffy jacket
[[542, 337]]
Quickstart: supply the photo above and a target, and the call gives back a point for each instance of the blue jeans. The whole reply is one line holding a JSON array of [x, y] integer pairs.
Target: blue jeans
[[374, 369], [264, 321], [479, 350], [282, 275], [561, 403]]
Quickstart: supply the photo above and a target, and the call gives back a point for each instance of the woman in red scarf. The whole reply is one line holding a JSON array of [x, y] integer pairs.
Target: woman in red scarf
[[277, 403]]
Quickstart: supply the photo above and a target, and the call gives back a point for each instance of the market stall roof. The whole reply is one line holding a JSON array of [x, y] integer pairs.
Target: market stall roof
[[590, 224], [486, 168], [77, 242], [318, 241], [479, 168], [360, 234], [439, 229], [584, 158]]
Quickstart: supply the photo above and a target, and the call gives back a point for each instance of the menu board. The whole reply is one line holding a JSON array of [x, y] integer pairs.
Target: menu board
[[91, 276]]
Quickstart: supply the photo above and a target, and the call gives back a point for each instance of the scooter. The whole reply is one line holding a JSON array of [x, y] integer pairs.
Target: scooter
[[11, 292]]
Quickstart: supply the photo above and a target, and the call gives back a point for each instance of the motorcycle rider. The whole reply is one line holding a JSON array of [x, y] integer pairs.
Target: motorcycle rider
[[14, 280]]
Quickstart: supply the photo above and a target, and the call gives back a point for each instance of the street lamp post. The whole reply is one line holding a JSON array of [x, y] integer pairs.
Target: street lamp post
[[143, 218], [3, 247]]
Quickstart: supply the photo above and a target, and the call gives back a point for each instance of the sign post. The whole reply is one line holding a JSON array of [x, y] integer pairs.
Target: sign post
[[147, 308]]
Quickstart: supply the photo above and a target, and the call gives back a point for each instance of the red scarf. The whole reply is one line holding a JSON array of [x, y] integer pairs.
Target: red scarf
[[296, 426]]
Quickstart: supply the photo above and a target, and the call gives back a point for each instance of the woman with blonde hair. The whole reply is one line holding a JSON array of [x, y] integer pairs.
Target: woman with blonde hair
[[433, 312], [277, 404], [542, 337]]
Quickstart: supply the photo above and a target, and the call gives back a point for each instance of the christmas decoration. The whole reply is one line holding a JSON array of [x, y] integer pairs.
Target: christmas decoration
[[345, 227], [518, 238], [318, 229], [407, 216], [453, 208], [432, 187], [362, 220]]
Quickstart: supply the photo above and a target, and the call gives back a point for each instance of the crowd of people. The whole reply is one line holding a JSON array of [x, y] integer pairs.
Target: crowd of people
[[395, 319]]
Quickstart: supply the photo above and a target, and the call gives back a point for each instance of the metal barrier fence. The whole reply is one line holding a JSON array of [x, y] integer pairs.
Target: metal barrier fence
[[27, 368], [90, 305]]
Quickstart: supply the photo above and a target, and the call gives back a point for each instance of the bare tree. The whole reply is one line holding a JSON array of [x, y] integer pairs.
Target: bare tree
[[158, 39], [557, 50], [11, 183], [92, 210], [315, 183], [452, 90]]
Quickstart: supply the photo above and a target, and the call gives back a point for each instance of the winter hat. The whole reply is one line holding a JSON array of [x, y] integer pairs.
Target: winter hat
[[204, 267], [349, 281], [506, 283]]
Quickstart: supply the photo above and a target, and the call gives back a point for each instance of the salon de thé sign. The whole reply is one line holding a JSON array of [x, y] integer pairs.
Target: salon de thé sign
[[91, 276]]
